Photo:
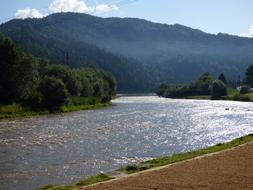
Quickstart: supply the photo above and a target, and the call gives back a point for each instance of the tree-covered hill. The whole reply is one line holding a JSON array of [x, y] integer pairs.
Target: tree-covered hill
[[138, 52], [31, 85]]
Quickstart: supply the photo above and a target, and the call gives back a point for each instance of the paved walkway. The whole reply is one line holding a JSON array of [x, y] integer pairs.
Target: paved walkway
[[227, 170]]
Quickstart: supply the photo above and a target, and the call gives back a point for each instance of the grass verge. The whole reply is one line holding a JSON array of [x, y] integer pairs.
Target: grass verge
[[83, 107], [14, 111], [84, 182], [158, 162], [207, 97], [184, 156], [233, 95]]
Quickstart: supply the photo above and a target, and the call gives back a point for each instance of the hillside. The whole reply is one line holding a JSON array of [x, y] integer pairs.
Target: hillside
[[138, 52]]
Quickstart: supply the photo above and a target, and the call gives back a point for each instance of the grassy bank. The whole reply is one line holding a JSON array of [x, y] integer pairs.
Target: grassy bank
[[18, 111], [84, 182], [185, 156], [153, 164], [233, 95]]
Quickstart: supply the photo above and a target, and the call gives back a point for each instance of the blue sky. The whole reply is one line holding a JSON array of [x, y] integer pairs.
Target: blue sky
[[213, 16]]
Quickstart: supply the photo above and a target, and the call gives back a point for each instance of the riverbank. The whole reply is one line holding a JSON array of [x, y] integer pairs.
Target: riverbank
[[233, 95], [15, 111], [230, 169], [160, 164]]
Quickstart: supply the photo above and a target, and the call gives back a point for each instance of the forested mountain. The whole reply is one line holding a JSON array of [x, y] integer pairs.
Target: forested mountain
[[138, 52], [31, 84]]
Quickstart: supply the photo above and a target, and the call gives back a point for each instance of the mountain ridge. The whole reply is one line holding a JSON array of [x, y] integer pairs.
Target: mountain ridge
[[152, 52]]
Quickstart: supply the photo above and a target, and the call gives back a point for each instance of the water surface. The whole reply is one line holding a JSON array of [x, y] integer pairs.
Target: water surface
[[63, 148]]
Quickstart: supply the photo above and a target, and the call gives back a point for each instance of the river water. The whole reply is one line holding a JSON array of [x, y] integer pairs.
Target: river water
[[64, 148]]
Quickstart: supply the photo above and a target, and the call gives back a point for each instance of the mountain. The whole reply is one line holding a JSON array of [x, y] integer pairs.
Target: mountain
[[138, 52]]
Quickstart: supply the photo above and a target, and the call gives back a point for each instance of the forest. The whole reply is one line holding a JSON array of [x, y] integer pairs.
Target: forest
[[31, 84], [206, 87], [139, 53]]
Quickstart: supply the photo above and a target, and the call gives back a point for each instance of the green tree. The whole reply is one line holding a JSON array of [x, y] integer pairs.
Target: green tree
[[162, 88], [249, 76], [54, 93], [86, 89], [66, 75], [245, 89], [218, 89], [112, 84], [222, 78], [206, 77], [18, 72]]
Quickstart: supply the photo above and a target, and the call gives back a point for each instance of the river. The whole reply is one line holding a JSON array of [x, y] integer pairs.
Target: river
[[63, 148]]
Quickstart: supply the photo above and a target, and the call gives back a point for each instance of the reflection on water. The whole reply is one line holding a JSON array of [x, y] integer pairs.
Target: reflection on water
[[66, 147]]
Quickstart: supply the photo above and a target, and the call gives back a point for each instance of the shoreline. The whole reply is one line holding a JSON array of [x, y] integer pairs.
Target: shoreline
[[156, 164], [227, 169], [66, 109]]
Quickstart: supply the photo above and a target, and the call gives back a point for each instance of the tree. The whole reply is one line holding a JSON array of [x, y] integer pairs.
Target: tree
[[54, 93], [218, 89], [200, 86], [222, 78], [245, 89], [162, 88], [249, 76], [112, 84], [18, 71], [66, 75]]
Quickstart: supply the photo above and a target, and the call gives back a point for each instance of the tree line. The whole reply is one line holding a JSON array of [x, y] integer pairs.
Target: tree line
[[38, 85], [207, 86]]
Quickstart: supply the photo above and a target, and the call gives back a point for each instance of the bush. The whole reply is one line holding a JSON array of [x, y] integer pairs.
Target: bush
[[54, 93], [130, 168], [218, 89], [11, 109], [33, 100], [105, 99], [245, 89], [241, 97]]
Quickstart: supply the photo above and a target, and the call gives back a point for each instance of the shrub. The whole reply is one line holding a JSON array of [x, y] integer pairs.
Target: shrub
[[241, 97], [105, 99], [245, 89], [33, 100], [130, 168], [218, 89], [54, 93]]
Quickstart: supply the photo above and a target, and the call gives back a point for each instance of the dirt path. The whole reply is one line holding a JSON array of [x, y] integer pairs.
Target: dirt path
[[232, 169]]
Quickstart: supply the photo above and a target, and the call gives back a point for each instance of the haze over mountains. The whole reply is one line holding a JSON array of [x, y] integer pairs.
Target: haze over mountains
[[139, 53]]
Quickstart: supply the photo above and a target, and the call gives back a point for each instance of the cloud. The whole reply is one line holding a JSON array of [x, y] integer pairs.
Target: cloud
[[104, 8], [28, 13], [68, 6], [57, 6], [249, 34]]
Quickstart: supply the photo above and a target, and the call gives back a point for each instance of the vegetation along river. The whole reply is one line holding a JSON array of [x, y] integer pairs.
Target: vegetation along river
[[64, 148]]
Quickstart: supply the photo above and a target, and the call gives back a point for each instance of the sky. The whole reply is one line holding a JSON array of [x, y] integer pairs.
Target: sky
[[213, 16]]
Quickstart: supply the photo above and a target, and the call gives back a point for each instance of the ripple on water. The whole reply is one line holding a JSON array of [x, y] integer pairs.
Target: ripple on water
[[63, 148]]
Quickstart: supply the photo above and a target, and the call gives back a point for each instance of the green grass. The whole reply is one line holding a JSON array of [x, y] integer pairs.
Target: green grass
[[17, 111], [94, 179], [250, 95], [207, 97], [232, 91], [236, 96], [233, 95], [158, 162], [83, 103], [88, 181], [71, 108], [184, 156]]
